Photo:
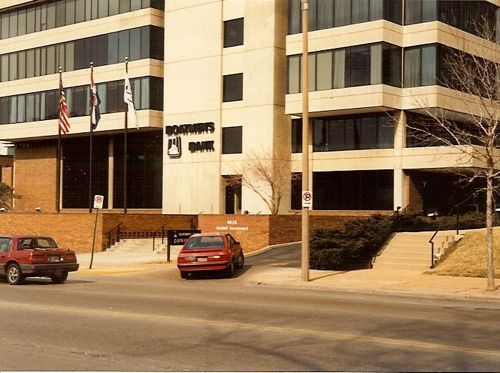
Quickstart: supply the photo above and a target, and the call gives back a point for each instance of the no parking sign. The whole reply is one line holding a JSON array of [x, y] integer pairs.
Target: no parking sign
[[307, 199]]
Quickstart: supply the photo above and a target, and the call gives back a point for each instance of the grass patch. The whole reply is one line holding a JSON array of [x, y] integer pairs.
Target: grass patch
[[469, 257]]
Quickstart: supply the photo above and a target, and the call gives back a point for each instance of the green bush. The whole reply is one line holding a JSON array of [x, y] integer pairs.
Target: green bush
[[355, 244]]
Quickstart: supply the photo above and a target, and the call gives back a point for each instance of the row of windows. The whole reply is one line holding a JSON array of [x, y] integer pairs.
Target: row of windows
[[52, 14], [325, 14], [348, 67], [38, 106], [354, 132], [466, 15], [469, 15], [138, 43], [376, 64]]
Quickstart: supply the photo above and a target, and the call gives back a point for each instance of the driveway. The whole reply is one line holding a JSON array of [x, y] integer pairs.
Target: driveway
[[287, 256]]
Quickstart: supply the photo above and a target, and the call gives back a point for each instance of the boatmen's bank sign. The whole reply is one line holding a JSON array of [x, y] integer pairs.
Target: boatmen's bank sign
[[175, 133]]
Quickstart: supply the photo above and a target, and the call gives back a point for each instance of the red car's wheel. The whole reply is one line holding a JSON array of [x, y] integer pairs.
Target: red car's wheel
[[14, 275], [184, 275], [230, 270], [59, 278]]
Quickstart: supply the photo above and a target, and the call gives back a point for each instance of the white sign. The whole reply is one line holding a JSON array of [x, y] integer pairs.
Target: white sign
[[307, 199], [98, 201]]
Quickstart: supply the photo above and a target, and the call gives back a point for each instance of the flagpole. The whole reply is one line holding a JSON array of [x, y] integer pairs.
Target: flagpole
[[125, 151], [58, 158], [91, 134]]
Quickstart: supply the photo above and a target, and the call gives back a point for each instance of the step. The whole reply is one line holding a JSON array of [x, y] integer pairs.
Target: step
[[392, 265]]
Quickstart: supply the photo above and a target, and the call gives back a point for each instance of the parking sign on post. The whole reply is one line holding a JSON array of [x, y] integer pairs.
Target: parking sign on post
[[98, 201], [307, 199]]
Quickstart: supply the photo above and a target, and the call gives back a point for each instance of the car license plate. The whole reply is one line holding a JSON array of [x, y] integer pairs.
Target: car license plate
[[202, 259], [54, 259]]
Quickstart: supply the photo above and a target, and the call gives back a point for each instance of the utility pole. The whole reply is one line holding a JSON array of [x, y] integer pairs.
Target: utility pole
[[305, 140]]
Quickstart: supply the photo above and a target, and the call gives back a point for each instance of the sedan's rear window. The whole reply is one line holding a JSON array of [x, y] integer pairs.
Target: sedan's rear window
[[205, 242], [36, 243]]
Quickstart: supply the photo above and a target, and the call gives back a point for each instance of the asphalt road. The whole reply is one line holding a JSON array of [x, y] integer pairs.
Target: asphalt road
[[284, 256], [155, 321]]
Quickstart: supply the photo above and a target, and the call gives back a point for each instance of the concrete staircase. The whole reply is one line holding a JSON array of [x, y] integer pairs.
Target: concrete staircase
[[139, 245], [412, 251]]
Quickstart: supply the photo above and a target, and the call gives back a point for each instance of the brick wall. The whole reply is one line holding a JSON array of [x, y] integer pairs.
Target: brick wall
[[147, 222], [258, 231], [35, 181], [74, 231]]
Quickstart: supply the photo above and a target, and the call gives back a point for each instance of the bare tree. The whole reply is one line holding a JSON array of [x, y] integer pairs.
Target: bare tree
[[473, 79], [266, 176], [7, 194]]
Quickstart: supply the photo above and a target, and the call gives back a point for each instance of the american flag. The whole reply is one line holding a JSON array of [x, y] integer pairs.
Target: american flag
[[63, 110], [94, 101]]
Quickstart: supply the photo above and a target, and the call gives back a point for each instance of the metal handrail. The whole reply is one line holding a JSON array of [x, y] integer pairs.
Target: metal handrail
[[431, 241], [109, 234], [162, 230]]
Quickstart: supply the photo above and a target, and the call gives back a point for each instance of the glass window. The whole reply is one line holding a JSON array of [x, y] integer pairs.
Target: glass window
[[124, 45], [342, 12], [324, 70], [95, 13], [60, 55], [70, 12], [124, 6], [21, 65], [368, 133], [114, 7], [13, 110], [70, 57], [313, 16], [30, 63], [5, 26], [339, 70], [376, 64], [4, 110], [88, 10], [358, 66], [60, 13], [376, 9], [294, 74], [312, 72], [113, 48], [428, 65], [360, 11], [5, 68], [103, 10], [232, 140], [51, 59], [30, 20], [30, 107], [21, 108], [413, 12], [50, 16], [12, 24], [429, 10], [392, 11], [80, 11], [21, 22], [38, 63], [145, 42], [233, 32], [296, 135], [325, 14], [294, 17], [232, 87], [144, 93], [391, 65], [412, 67], [12, 66], [135, 44], [135, 5]]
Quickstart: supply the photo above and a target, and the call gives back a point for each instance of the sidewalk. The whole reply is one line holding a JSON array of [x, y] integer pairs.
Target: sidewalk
[[369, 280]]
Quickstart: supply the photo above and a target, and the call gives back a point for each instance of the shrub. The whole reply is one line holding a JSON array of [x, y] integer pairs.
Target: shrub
[[355, 244]]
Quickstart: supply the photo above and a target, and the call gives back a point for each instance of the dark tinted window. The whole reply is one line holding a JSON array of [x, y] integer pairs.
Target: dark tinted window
[[232, 140], [233, 32], [233, 87]]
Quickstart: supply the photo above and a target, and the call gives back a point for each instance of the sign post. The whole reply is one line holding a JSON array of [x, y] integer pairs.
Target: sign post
[[98, 203]]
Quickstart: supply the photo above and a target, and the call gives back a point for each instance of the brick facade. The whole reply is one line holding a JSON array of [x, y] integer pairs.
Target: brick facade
[[258, 231], [35, 177]]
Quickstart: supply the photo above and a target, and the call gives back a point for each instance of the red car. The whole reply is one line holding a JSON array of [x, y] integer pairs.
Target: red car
[[210, 252], [28, 256]]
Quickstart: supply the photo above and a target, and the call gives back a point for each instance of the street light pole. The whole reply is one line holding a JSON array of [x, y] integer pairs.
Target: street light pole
[[305, 140]]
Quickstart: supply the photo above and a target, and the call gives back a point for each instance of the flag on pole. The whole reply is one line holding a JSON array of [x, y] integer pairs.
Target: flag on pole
[[95, 101], [63, 109], [129, 100]]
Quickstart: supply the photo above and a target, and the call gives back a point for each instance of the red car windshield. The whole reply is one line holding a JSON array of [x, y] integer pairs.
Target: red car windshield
[[36, 243], [205, 242]]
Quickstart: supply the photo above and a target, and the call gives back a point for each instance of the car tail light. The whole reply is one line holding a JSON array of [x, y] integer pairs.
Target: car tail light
[[187, 259], [37, 258]]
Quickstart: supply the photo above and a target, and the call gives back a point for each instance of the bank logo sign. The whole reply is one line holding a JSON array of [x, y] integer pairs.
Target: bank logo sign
[[174, 147], [174, 133]]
